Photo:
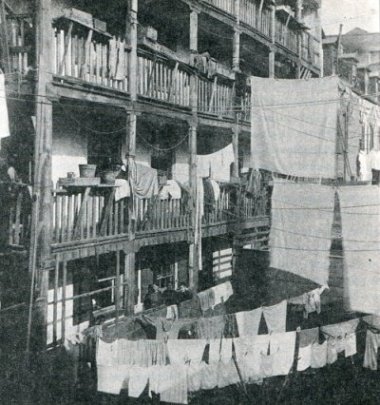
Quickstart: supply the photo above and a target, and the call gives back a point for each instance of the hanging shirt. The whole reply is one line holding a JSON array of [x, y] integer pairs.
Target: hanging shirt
[[312, 301], [249, 322], [112, 379], [186, 351], [308, 337], [319, 355], [275, 317], [336, 338]]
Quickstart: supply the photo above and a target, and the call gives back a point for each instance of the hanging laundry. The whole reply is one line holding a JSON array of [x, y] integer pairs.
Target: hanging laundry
[[227, 374], [194, 376], [319, 355], [308, 337], [144, 180], [294, 126], [209, 377], [282, 346], [207, 299], [300, 236], [254, 182], [360, 211], [248, 355], [170, 382], [138, 380], [172, 312], [336, 338], [372, 343], [249, 322], [211, 328], [122, 189], [312, 301], [218, 163], [121, 72], [275, 317], [112, 56], [220, 350], [186, 351], [209, 197], [231, 327], [4, 118], [170, 190], [112, 379], [216, 189], [222, 292]]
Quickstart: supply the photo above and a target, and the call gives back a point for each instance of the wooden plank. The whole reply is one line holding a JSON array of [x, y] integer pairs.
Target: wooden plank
[[55, 299], [214, 90], [78, 227], [64, 284], [67, 40], [107, 213]]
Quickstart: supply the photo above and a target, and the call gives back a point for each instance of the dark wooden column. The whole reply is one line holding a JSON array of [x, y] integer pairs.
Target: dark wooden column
[[41, 226], [272, 53], [130, 143]]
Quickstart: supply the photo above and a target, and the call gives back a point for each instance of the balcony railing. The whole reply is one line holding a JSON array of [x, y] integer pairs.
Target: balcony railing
[[15, 217], [163, 81], [250, 15], [286, 37], [215, 98], [155, 215], [225, 5], [222, 210]]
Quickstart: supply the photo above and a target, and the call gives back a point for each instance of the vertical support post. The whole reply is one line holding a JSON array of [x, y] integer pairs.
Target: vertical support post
[[235, 145], [193, 30], [299, 7], [272, 54], [130, 144], [236, 51], [41, 227]]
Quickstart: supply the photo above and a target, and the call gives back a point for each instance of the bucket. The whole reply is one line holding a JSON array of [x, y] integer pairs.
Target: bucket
[[108, 177], [87, 170]]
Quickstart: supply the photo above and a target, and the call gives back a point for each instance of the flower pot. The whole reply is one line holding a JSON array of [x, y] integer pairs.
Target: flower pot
[[87, 170], [108, 177]]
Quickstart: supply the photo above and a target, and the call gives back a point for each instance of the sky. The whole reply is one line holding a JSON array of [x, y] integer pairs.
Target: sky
[[351, 13]]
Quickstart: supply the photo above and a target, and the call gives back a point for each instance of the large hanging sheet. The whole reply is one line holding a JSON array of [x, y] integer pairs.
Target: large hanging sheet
[[294, 126], [360, 210], [300, 237]]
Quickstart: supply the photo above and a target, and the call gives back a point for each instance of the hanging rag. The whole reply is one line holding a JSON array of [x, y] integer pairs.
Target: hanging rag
[[4, 118], [186, 351], [300, 236], [248, 352], [172, 312], [218, 163], [319, 355], [170, 190], [282, 346], [211, 328], [138, 380], [336, 338], [279, 127], [275, 317], [216, 189], [308, 337], [209, 197], [365, 167], [249, 322], [312, 301], [361, 241], [120, 72], [122, 189], [207, 299], [372, 343], [209, 377], [220, 350], [222, 292], [144, 180], [170, 382], [112, 56]]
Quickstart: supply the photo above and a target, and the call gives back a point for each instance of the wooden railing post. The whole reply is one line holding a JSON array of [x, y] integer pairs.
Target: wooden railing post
[[272, 54], [236, 51]]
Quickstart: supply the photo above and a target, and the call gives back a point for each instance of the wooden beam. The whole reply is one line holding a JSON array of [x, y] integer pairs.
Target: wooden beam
[[4, 39], [236, 51]]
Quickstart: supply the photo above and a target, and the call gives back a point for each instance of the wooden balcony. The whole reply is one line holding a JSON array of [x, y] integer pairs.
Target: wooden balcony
[[251, 16], [286, 37], [311, 51]]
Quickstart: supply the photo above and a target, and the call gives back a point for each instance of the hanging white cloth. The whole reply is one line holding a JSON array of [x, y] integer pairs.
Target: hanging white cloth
[[4, 119]]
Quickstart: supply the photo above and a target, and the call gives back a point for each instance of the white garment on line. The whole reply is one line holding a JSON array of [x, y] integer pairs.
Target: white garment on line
[[249, 322], [112, 379], [218, 163], [122, 190], [4, 118], [222, 292], [186, 351], [220, 350], [282, 345], [275, 317], [170, 190], [138, 380]]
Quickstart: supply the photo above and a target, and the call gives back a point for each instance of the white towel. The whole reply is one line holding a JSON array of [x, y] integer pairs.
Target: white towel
[[222, 292], [249, 322], [112, 379], [275, 317], [4, 119], [282, 345], [123, 189]]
